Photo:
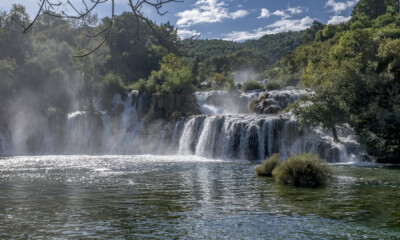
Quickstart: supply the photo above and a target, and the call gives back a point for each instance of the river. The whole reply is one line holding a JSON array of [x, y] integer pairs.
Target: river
[[188, 197]]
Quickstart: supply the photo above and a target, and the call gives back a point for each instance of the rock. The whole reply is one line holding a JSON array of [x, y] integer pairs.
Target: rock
[[160, 101], [273, 109], [169, 102], [163, 106], [154, 100]]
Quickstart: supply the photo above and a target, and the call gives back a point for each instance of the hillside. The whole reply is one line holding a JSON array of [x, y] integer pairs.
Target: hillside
[[354, 68]]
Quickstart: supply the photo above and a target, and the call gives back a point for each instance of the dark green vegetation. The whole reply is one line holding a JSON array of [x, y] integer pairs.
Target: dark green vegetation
[[213, 57], [39, 67], [251, 85], [40, 64], [303, 170], [300, 170], [267, 166], [354, 68]]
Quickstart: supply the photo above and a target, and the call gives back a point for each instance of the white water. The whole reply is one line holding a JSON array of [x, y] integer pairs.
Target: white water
[[280, 98], [218, 136], [257, 136], [102, 132], [3, 144]]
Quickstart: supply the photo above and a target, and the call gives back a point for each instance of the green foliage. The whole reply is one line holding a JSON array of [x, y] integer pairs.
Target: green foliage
[[174, 76], [370, 8], [111, 85], [355, 72], [140, 85], [267, 166], [273, 85], [7, 82], [225, 57], [251, 85], [303, 170], [231, 84], [310, 33], [219, 80]]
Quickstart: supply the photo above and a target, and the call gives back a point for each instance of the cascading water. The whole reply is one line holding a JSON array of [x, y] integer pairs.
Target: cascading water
[[221, 133], [254, 137], [215, 134], [104, 132], [82, 132], [3, 144]]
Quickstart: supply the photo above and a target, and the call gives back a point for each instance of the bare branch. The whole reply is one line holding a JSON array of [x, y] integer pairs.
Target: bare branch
[[63, 8], [107, 35]]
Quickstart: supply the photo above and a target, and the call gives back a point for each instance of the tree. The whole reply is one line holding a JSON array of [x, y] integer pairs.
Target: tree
[[311, 32], [174, 76], [69, 10], [219, 80], [325, 108]]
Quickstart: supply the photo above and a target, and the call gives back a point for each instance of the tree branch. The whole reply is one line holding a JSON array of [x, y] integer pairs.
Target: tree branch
[[62, 8]]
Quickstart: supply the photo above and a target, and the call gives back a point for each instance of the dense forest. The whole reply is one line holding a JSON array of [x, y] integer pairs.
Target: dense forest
[[354, 67]]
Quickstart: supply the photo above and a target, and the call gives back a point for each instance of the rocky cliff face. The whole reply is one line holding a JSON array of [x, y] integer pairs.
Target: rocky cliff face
[[172, 106]]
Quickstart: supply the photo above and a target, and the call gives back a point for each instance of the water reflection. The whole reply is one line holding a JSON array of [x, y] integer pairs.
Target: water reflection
[[186, 197]]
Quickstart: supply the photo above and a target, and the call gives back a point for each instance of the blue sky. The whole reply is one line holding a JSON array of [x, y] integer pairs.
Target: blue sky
[[236, 20]]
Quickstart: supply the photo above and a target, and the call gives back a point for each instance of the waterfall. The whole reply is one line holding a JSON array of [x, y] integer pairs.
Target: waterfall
[[223, 102], [104, 132], [4, 146], [119, 130], [115, 131], [253, 137]]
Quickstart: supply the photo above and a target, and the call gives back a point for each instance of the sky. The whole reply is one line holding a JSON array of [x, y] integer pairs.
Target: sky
[[233, 20]]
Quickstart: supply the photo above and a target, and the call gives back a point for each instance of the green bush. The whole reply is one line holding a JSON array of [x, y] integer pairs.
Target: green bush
[[267, 166], [303, 170], [273, 85], [140, 85], [251, 85], [112, 84]]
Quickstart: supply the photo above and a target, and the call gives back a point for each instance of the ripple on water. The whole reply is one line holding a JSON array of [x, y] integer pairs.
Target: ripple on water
[[188, 197]]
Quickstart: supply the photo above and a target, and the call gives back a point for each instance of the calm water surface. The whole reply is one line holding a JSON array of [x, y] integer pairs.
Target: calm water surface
[[179, 197]]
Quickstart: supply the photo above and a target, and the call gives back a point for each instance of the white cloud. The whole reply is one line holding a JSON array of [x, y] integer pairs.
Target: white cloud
[[289, 12], [296, 10], [338, 19], [338, 7], [283, 25], [239, 14], [280, 13], [264, 13], [286, 25], [186, 33], [207, 11]]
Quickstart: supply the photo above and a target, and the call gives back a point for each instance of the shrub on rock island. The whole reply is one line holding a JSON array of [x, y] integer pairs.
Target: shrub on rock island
[[303, 170], [251, 85], [267, 166]]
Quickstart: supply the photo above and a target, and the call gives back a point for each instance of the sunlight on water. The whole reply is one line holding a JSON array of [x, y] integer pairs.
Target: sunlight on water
[[168, 197]]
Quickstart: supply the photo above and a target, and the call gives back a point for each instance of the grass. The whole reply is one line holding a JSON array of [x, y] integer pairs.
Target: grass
[[267, 166], [303, 170]]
